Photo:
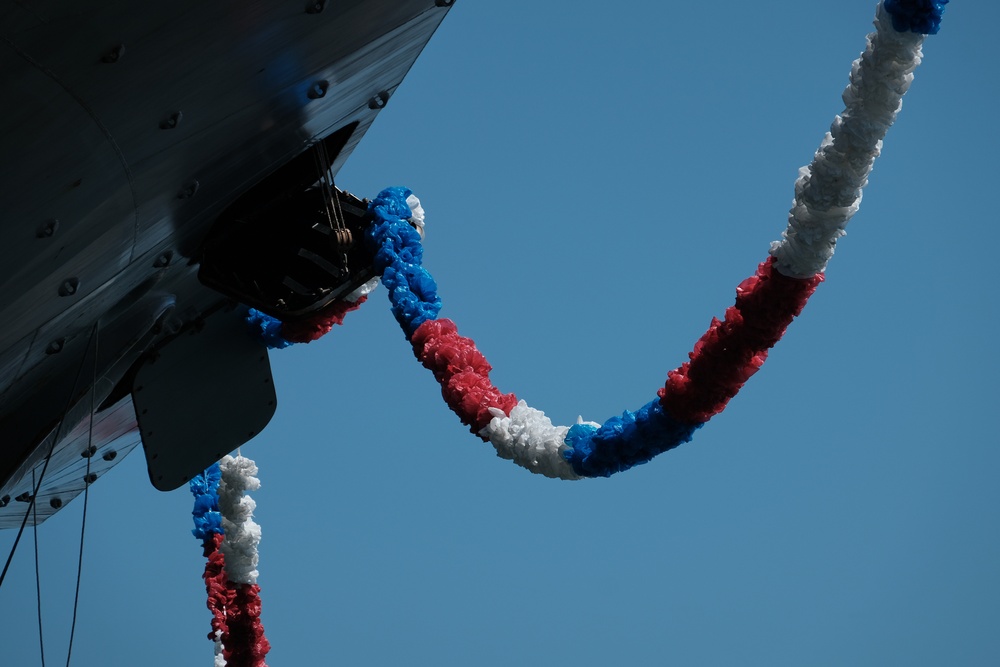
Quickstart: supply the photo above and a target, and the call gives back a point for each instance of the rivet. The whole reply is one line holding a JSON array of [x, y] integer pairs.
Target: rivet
[[189, 189], [173, 121], [114, 55], [4, 501], [24, 497], [315, 7], [443, 3], [379, 100], [47, 229], [318, 90], [163, 260], [88, 452], [110, 455], [55, 503], [55, 346], [90, 478], [69, 287]]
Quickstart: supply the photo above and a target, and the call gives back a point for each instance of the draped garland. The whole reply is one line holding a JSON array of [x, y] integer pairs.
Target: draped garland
[[278, 335], [223, 518], [827, 194]]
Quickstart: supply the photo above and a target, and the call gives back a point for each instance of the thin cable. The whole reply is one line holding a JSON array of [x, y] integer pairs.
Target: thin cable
[[338, 211], [86, 496], [48, 457], [38, 576], [320, 154]]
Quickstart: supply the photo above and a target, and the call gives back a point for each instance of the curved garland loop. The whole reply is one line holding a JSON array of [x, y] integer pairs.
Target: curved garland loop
[[223, 517], [278, 335], [827, 194]]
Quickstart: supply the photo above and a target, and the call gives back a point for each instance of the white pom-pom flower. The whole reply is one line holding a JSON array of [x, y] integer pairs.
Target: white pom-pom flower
[[828, 191], [242, 534], [528, 438]]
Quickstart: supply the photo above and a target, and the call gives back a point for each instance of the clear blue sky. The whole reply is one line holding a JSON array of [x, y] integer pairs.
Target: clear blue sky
[[598, 179]]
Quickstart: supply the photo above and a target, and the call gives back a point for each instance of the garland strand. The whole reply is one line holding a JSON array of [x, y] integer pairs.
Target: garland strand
[[278, 335], [827, 194], [208, 528], [223, 517], [246, 645]]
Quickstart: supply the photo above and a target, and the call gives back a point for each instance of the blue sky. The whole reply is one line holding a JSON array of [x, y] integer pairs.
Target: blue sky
[[597, 182]]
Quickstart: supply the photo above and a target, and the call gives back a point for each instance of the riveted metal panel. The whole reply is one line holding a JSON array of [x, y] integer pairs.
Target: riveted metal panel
[[200, 396]]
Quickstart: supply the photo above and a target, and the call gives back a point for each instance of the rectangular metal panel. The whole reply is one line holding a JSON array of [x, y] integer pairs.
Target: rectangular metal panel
[[200, 396]]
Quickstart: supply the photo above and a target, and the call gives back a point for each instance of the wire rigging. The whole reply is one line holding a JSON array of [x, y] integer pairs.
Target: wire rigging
[[89, 454], [45, 467], [341, 236], [38, 577]]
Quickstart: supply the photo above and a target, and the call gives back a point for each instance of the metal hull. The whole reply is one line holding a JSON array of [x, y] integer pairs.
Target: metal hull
[[125, 129]]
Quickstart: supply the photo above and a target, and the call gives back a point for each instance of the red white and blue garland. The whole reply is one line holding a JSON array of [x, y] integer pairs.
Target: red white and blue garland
[[223, 519], [278, 335], [827, 194]]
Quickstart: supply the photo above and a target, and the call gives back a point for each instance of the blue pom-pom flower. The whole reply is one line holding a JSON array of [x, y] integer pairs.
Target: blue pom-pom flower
[[920, 16]]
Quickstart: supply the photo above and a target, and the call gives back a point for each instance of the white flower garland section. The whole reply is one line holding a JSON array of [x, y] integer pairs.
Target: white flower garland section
[[220, 659], [242, 533], [416, 214], [828, 192], [528, 438], [362, 291]]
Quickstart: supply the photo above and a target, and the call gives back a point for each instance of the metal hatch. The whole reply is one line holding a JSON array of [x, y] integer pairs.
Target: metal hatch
[[201, 395]]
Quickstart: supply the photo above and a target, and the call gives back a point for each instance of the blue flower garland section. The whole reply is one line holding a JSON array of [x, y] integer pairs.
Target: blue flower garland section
[[205, 487], [267, 329], [398, 253], [626, 441], [920, 16]]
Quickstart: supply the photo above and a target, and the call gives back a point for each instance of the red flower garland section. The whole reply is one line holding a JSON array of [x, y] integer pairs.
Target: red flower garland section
[[732, 350], [314, 328], [235, 611], [246, 634], [462, 371], [220, 594]]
